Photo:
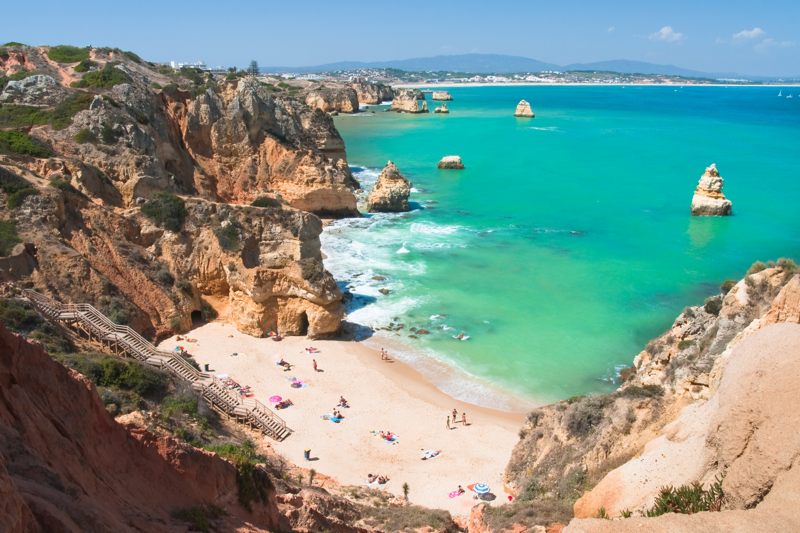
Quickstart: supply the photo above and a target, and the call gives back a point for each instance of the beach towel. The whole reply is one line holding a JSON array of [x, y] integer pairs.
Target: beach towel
[[393, 440], [429, 454], [372, 485], [238, 353], [331, 418], [455, 494]]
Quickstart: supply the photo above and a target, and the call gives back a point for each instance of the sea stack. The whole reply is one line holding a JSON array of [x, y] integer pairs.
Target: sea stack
[[441, 95], [442, 109], [524, 110], [708, 199], [406, 100], [451, 162], [390, 194]]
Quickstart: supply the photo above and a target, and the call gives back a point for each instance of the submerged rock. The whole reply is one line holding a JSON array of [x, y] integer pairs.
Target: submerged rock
[[391, 191], [708, 199], [441, 95], [451, 162], [524, 110]]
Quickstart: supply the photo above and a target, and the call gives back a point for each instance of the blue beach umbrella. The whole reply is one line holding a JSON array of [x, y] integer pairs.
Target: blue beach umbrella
[[480, 488]]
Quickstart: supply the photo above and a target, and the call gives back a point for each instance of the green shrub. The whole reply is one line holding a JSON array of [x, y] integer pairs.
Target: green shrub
[[110, 100], [165, 277], [200, 516], [311, 269], [726, 287], [166, 210], [85, 136], [62, 115], [171, 88], [16, 199], [107, 371], [65, 186], [107, 134], [21, 75], [584, 415], [133, 57], [756, 267], [18, 143], [8, 237], [788, 266], [114, 310], [713, 305], [106, 78], [11, 183], [209, 313], [648, 391], [13, 116], [68, 54], [14, 43], [252, 483], [184, 285], [156, 85], [85, 65], [266, 201], [684, 344], [228, 237], [688, 499]]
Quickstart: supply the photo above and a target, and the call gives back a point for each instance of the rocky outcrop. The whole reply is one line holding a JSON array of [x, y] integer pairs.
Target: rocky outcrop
[[741, 433], [441, 95], [66, 465], [524, 110], [390, 193], [344, 100], [452, 162], [708, 199], [38, 90], [373, 93], [442, 109], [263, 275], [406, 100]]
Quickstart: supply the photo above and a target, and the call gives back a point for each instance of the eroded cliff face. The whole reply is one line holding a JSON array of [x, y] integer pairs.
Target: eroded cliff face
[[406, 100], [343, 100], [227, 141], [677, 375], [373, 93], [66, 465]]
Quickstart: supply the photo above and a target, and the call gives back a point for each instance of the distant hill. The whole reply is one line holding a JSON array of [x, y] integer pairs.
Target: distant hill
[[485, 63]]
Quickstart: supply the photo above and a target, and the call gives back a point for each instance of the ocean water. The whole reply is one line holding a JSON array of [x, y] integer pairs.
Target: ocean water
[[567, 242]]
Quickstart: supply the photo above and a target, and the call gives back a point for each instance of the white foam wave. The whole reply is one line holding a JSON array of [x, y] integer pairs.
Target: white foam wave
[[465, 337], [388, 102], [403, 250], [433, 229]]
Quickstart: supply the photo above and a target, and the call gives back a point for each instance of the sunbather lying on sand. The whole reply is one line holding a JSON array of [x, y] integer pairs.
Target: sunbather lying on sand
[[284, 404]]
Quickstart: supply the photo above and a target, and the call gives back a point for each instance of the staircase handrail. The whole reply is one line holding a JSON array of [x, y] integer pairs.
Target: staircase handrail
[[264, 409]]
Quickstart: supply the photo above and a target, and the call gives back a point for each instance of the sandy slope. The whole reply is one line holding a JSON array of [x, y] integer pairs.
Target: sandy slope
[[404, 405]]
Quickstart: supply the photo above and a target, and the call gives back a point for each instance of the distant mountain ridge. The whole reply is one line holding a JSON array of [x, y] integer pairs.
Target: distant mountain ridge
[[496, 63]]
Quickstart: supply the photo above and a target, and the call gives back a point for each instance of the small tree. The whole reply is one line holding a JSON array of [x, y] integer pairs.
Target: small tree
[[299, 479], [311, 475], [232, 70], [253, 69], [406, 490]]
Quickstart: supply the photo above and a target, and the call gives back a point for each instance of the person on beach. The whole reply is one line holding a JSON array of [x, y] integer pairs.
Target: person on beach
[[460, 490], [315, 365], [464, 419], [455, 417], [342, 402], [448, 422]]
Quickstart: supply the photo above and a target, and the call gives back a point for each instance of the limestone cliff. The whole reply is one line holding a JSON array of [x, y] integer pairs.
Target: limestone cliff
[[441, 95], [228, 141], [524, 110], [66, 465], [344, 100], [373, 93], [390, 193], [708, 199], [452, 162], [584, 438], [442, 109]]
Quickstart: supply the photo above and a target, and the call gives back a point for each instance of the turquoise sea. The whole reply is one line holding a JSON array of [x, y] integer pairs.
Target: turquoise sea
[[567, 243]]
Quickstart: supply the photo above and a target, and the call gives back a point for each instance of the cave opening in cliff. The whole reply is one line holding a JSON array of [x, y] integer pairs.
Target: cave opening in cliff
[[303, 319], [197, 319]]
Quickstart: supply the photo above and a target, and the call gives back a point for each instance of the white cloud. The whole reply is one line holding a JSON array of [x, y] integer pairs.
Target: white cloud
[[764, 46], [666, 34], [748, 34], [610, 29]]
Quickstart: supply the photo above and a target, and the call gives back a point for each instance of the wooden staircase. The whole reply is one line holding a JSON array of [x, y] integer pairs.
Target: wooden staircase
[[123, 341]]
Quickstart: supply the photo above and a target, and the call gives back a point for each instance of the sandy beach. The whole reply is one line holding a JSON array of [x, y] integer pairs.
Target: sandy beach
[[383, 396]]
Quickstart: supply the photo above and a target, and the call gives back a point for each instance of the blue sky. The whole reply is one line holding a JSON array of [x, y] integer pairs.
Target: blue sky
[[760, 38]]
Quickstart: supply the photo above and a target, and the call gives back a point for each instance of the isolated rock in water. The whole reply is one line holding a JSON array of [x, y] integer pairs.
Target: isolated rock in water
[[524, 110], [441, 95], [423, 332], [384, 291], [442, 109], [424, 106], [708, 198], [391, 191], [452, 162], [406, 100]]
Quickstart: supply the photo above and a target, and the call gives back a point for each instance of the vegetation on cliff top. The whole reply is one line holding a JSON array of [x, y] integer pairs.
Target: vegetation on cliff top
[[104, 78], [12, 116], [67, 54], [18, 143]]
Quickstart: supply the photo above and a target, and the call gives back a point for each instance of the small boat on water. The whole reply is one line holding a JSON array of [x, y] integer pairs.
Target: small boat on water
[[780, 93], [789, 96]]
